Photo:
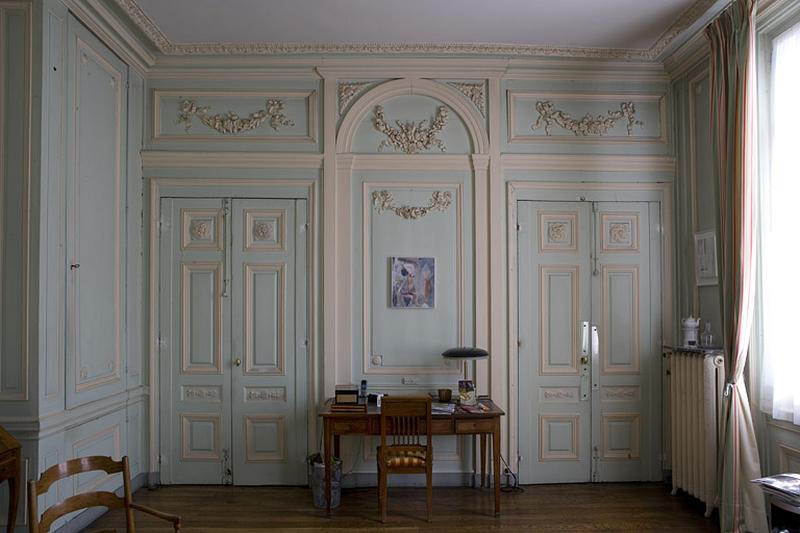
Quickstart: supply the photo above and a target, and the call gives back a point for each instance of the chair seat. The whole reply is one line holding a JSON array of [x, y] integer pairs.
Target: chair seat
[[404, 457]]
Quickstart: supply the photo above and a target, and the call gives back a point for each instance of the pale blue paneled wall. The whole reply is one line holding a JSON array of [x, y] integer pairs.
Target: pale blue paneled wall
[[696, 197], [84, 397], [112, 419]]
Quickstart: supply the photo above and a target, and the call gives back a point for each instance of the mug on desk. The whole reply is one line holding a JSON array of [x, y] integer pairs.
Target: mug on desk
[[445, 395]]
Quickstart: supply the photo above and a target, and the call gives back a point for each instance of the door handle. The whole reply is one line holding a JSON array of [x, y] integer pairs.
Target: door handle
[[595, 353], [585, 372], [237, 362], [585, 338]]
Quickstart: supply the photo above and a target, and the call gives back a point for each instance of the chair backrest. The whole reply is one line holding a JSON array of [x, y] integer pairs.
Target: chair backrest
[[406, 419], [78, 501]]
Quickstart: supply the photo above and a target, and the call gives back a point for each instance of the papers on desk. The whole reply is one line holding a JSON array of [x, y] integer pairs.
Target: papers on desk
[[442, 408], [785, 485]]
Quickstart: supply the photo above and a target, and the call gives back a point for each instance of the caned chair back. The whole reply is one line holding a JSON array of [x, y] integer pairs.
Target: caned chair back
[[42, 524]]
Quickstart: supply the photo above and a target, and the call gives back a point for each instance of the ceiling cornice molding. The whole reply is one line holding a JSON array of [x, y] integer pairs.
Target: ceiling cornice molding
[[684, 22], [115, 32], [170, 48], [687, 56]]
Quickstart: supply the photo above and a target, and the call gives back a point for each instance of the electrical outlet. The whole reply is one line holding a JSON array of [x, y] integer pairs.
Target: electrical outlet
[[409, 381]]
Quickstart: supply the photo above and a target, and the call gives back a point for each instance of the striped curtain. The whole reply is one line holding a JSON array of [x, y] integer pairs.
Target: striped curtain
[[732, 39]]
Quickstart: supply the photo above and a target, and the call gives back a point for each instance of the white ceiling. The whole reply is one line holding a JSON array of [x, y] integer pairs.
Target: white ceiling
[[613, 24]]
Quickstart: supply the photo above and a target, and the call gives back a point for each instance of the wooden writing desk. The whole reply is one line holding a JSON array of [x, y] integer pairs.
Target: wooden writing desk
[[459, 423], [10, 467]]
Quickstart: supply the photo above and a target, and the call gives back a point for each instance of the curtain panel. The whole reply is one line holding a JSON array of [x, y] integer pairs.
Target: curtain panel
[[733, 84]]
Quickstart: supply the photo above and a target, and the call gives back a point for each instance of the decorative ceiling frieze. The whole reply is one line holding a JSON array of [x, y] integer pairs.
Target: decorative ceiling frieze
[[166, 46], [588, 124], [411, 137]]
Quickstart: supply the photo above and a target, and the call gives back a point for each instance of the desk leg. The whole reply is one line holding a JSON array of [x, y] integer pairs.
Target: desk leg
[[327, 459], [336, 447], [13, 500], [496, 469], [483, 460]]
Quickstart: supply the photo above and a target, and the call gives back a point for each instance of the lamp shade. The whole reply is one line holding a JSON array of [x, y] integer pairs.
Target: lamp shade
[[465, 352]]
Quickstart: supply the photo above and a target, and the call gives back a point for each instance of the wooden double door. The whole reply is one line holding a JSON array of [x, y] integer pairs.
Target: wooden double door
[[233, 341], [589, 287]]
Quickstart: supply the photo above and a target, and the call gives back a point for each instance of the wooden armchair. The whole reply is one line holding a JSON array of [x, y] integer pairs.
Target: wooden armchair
[[405, 420], [87, 499]]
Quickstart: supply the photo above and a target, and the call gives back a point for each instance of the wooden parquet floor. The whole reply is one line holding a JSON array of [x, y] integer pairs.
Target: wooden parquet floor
[[629, 507]]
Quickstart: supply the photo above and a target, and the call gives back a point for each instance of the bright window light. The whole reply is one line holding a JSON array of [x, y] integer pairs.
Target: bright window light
[[780, 245]]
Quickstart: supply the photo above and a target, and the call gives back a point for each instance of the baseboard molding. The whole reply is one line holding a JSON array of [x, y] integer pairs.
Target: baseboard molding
[[85, 519]]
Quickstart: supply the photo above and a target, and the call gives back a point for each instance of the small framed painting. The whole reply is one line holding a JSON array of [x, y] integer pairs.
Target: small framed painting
[[413, 283], [705, 258]]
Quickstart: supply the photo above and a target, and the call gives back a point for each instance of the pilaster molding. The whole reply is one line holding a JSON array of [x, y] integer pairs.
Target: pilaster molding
[[23, 130]]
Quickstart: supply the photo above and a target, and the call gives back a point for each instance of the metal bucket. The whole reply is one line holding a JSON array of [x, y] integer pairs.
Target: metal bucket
[[316, 480]]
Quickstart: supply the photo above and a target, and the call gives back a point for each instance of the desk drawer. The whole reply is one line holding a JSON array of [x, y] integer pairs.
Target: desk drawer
[[350, 427], [9, 466], [475, 426]]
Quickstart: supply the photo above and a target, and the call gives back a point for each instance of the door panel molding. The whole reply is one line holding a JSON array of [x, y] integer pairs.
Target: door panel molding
[[610, 363], [188, 328], [251, 272], [549, 366]]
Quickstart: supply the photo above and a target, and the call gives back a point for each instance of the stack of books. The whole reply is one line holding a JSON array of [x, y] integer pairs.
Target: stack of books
[[785, 486]]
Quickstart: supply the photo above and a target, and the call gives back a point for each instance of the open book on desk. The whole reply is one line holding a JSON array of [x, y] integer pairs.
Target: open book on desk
[[438, 408]]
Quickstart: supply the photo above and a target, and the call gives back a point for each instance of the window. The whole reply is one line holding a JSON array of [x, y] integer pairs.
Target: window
[[780, 243]]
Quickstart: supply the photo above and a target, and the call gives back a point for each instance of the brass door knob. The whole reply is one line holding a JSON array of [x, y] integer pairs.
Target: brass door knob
[[237, 362], [584, 360]]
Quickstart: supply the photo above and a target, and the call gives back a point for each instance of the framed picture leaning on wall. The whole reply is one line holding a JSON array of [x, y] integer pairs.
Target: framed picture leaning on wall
[[705, 258]]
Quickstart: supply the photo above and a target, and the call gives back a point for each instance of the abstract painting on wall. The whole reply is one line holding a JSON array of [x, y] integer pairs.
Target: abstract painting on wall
[[413, 282]]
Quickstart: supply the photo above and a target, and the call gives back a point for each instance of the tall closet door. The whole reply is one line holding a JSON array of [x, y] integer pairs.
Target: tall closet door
[[269, 341], [626, 399], [194, 319], [554, 300], [96, 118]]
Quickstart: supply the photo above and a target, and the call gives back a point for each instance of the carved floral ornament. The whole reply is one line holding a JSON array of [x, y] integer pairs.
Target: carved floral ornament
[[620, 232], [411, 137], [263, 231], [588, 124], [557, 231], [231, 122], [475, 92], [348, 91], [200, 230], [383, 201]]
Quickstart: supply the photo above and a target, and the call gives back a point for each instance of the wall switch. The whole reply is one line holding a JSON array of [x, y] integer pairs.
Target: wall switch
[[409, 381]]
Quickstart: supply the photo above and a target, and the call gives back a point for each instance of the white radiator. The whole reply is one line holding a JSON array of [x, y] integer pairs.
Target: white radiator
[[697, 379]]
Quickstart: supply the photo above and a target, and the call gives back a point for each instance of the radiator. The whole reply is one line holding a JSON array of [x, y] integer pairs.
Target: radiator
[[697, 378]]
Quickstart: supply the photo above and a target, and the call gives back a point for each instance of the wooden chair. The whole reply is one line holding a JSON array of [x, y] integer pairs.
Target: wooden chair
[[87, 499], [405, 420]]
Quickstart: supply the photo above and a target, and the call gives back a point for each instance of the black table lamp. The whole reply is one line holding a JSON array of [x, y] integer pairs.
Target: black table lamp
[[465, 353]]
